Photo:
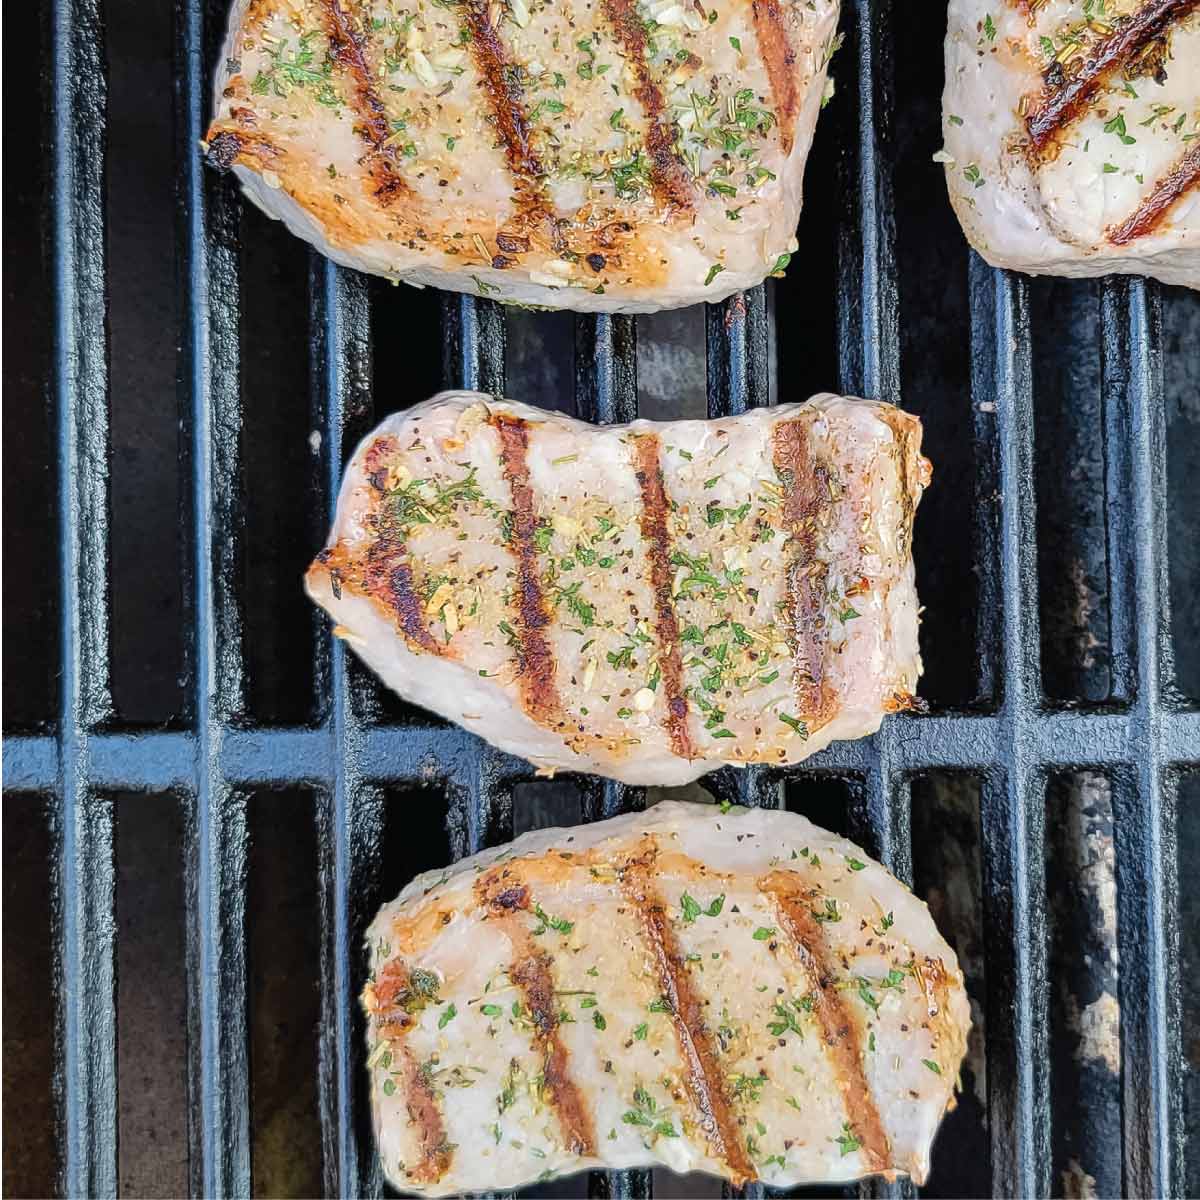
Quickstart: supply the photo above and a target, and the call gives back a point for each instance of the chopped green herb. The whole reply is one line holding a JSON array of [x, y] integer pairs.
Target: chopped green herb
[[932, 1066], [847, 1141], [1117, 126], [691, 909], [736, 43], [855, 865], [557, 923], [989, 27], [787, 1012], [599, 1022], [763, 932], [639, 1034], [447, 1016], [713, 272], [798, 725], [491, 1010], [547, 105]]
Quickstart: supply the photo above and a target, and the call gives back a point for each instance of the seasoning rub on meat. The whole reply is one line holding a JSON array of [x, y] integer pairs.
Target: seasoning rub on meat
[[599, 155], [739, 993], [1072, 134], [646, 602]]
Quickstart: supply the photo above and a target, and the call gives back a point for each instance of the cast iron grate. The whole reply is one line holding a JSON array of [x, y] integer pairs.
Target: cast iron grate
[[1143, 738]]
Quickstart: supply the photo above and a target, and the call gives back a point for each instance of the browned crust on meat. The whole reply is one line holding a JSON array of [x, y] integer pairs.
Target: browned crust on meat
[[669, 178], [425, 1115], [225, 147], [1153, 210], [536, 668], [912, 470], [703, 1077], [392, 1005], [839, 1033], [805, 483], [666, 626], [780, 59], [503, 92], [346, 48], [384, 574], [502, 894], [533, 975], [383, 571], [1058, 107]]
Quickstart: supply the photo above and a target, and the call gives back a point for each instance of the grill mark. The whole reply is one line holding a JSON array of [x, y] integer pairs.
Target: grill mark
[[385, 1001], [670, 180], [1152, 211], [346, 47], [532, 974], [225, 147], [502, 893], [385, 575], [838, 1030], [388, 576], [425, 1114], [702, 1070], [1061, 107], [504, 98], [805, 495], [535, 658], [666, 626], [780, 59]]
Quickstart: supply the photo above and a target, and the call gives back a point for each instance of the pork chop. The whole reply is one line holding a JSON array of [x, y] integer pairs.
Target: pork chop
[[648, 601], [621, 156], [737, 993], [1072, 135]]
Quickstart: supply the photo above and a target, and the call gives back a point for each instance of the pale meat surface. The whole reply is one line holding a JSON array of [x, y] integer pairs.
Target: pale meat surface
[[740, 993], [599, 155], [647, 602], [1072, 135]]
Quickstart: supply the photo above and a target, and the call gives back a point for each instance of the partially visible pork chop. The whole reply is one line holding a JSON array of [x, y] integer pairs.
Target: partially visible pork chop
[[600, 155], [648, 601], [738, 993], [1072, 133]]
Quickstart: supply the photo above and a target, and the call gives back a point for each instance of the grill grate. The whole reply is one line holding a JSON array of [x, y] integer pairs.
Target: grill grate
[[1142, 738]]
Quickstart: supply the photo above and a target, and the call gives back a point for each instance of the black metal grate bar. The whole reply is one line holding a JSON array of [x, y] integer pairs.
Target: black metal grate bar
[[211, 398], [1061, 741], [1012, 808], [86, 1055], [350, 813], [1144, 793]]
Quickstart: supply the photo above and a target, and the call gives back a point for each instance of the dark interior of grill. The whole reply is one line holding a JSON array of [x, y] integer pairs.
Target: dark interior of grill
[[205, 800]]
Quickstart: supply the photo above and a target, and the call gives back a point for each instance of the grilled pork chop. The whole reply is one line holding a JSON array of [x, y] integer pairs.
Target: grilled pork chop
[[647, 601], [1072, 129], [621, 155], [737, 993]]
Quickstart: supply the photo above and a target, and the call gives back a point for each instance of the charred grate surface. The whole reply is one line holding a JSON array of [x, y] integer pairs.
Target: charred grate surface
[[1143, 738]]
